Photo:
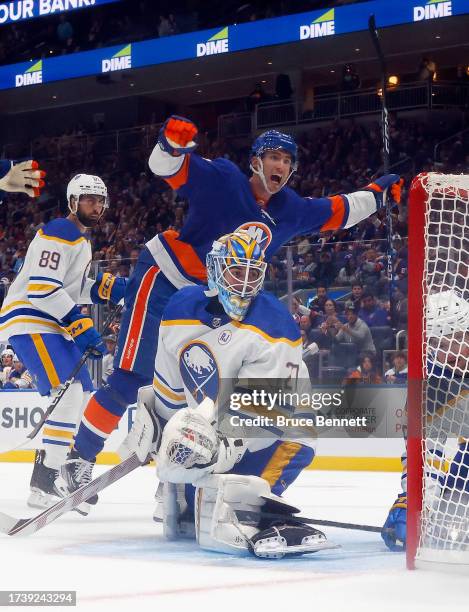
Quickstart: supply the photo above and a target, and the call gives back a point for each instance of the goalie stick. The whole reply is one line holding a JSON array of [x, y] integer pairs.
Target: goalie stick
[[24, 526], [248, 515], [50, 409]]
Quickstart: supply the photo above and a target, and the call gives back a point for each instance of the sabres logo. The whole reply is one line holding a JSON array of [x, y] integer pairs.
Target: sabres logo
[[199, 371], [259, 231]]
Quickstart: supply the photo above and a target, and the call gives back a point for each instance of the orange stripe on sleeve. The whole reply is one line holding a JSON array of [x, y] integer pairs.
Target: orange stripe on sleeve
[[374, 187], [138, 319], [180, 178], [100, 418], [186, 255], [337, 216]]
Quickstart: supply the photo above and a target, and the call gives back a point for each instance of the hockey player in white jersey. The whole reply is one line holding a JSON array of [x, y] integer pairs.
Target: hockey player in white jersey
[[447, 414], [230, 330], [41, 320]]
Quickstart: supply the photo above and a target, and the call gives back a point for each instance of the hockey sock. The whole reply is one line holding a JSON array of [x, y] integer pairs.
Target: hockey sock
[[104, 411], [57, 434]]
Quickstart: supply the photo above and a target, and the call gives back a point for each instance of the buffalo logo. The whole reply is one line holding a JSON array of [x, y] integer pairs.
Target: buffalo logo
[[199, 371]]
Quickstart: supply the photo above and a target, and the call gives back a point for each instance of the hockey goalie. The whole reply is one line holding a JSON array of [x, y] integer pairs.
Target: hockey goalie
[[228, 330]]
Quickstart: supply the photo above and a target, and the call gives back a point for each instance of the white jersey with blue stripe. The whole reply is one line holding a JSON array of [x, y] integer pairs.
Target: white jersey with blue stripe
[[199, 346], [53, 279]]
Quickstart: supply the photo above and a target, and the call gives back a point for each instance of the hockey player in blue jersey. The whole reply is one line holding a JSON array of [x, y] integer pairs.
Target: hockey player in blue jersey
[[23, 177], [221, 200], [227, 332], [41, 320], [447, 415]]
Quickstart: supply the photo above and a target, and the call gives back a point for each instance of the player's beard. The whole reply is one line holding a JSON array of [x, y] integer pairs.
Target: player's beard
[[88, 222]]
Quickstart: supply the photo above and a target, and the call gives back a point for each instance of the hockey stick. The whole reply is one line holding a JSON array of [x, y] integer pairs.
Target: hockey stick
[[13, 526], [110, 319], [256, 516], [386, 147]]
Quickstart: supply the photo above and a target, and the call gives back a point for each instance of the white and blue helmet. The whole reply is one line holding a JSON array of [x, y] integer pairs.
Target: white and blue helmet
[[85, 184], [446, 329], [236, 271], [272, 140]]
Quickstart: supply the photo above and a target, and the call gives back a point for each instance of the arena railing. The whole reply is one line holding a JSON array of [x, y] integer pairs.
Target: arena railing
[[338, 105]]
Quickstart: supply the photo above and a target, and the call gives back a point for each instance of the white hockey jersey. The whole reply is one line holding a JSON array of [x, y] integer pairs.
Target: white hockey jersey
[[202, 351], [53, 279]]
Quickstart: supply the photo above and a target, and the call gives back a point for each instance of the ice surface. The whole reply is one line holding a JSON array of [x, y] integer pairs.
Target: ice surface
[[116, 558]]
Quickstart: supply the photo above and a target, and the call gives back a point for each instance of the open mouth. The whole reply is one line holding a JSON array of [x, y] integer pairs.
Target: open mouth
[[276, 178]]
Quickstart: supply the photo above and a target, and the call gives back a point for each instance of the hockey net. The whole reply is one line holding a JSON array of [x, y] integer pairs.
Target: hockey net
[[438, 399]]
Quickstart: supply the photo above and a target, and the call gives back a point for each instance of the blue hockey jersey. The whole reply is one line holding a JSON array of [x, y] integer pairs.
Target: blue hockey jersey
[[221, 201]]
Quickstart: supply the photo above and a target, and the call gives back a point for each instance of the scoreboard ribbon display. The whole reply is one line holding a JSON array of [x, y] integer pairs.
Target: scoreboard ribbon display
[[20, 10], [193, 45]]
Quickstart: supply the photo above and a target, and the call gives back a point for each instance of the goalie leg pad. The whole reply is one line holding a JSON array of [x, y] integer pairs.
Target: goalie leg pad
[[217, 497], [173, 511]]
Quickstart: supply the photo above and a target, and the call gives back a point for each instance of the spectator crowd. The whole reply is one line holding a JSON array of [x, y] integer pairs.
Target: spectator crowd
[[340, 276]]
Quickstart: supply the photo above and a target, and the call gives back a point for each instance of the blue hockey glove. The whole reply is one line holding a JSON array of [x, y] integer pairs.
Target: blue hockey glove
[[108, 287], [394, 529], [177, 135], [85, 336], [380, 187]]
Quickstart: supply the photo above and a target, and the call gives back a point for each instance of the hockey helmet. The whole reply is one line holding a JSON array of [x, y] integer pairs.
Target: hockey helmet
[[236, 271], [447, 313], [272, 140], [447, 322], [85, 184]]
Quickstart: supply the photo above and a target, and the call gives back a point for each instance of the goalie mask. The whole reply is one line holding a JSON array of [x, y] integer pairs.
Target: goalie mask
[[272, 140], [82, 185], [236, 271]]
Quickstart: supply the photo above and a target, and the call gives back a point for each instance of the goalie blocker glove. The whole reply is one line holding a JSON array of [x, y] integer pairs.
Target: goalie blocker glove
[[177, 136], [82, 330], [380, 187]]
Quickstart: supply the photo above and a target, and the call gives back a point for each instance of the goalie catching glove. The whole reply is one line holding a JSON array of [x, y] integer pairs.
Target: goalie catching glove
[[191, 447], [24, 177], [177, 136]]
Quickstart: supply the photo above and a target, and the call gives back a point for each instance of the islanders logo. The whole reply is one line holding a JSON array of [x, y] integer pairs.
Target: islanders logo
[[259, 231], [199, 371]]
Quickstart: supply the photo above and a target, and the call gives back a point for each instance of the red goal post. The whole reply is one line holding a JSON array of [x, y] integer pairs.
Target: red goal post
[[438, 504]]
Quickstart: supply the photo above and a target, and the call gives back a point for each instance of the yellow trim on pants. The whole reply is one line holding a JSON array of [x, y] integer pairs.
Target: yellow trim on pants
[[56, 433], [279, 460], [46, 360]]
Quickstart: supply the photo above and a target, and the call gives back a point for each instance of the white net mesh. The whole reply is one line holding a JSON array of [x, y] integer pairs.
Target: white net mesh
[[444, 535]]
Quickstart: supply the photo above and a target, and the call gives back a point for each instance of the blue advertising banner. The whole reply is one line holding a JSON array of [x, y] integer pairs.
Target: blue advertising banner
[[275, 31], [19, 10]]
